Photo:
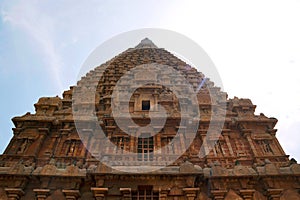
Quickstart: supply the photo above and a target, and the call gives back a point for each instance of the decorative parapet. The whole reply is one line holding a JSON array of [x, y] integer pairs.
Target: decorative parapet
[[239, 170], [52, 170]]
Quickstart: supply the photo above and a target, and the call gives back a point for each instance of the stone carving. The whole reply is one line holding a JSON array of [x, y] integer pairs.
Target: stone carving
[[71, 171], [188, 167], [48, 170], [240, 170], [17, 168], [218, 170], [271, 169], [103, 168], [23, 146]]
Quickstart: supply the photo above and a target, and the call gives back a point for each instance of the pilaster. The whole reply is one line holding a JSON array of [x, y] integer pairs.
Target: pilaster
[[190, 193], [14, 193], [41, 194], [218, 194], [247, 194], [274, 194], [71, 194], [99, 193], [163, 194], [126, 193]]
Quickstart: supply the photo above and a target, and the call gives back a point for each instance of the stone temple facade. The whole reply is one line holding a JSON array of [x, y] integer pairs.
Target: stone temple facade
[[47, 158]]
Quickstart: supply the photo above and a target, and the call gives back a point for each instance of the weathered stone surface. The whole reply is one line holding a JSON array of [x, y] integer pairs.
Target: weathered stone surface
[[188, 167], [217, 170], [285, 170], [259, 196], [231, 195], [290, 194], [3, 195], [295, 168], [271, 169], [240, 170]]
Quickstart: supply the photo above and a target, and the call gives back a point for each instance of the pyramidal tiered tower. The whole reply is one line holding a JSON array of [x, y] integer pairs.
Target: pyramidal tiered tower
[[59, 153]]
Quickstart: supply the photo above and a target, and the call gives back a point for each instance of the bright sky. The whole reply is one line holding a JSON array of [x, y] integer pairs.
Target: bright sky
[[255, 46]]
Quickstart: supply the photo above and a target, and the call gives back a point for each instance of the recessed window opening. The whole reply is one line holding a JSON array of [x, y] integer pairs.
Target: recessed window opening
[[145, 193], [145, 148], [145, 105]]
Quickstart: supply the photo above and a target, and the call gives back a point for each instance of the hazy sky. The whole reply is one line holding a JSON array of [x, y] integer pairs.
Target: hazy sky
[[255, 46]]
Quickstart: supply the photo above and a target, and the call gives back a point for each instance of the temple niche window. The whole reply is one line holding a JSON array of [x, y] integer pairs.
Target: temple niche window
[[165, 141], [24, 143], [146, 105], [72, 148], [101, 105], [265, 146], [219, 148], [121, 143]]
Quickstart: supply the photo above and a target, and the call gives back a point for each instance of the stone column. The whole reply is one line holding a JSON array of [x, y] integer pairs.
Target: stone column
[[43, 132], [247, 194], [99, 193], [155, 101], [87, 137], [14, 193], [274, 194], [132, 131], [190, 193], [135, 107], [41, 194], [182, 141], [71, 194], [228, 143], [126, 193], [110, 149], [218, 194], [205, 145], [246, 133], [157, 145]]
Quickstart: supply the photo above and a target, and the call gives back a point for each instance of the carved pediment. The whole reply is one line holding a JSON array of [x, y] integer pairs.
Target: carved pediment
[[261, 136], [31, 134]]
